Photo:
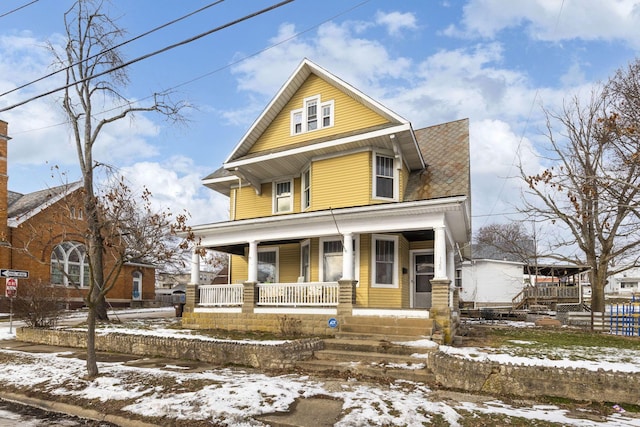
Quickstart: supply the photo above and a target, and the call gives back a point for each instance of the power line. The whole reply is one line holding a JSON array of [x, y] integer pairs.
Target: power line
[[18, 8], [149, 55], [112, 48], [229, 65]]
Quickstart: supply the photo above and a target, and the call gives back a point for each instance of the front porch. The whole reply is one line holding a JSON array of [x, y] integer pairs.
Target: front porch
[[315, 308]]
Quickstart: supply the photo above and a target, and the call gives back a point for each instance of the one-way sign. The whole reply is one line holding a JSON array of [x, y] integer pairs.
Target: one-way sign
[[23, 274]]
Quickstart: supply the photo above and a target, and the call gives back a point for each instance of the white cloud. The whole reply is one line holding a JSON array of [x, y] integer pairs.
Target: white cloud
[[177, 184], [396, 22], [556, 20]]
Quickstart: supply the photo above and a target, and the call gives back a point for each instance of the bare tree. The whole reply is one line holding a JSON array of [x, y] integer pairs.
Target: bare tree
[[591, 187], [509, 240], [91, 36]]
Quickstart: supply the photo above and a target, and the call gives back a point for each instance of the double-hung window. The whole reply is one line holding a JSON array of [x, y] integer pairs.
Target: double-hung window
[[283, 196], [331, 252], [313, 115], [268, 265], [384, 177], [306, 189], [385, 261]]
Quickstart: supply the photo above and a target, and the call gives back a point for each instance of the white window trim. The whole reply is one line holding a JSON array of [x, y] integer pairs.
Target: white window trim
[[275, 196], [275, 249], [319, 116], [302, 245], [303, 185], [396, 176], [356, 261], [396, 261]]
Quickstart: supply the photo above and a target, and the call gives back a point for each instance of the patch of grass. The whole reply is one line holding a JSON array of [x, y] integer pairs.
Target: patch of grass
[[498, 337]]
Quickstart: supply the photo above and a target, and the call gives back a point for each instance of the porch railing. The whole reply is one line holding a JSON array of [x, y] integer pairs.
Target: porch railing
[[308, 294], [220, 295]]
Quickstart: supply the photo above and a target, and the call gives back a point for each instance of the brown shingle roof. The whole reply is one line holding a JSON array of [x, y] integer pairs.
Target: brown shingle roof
[[445, 148], [20, 204]]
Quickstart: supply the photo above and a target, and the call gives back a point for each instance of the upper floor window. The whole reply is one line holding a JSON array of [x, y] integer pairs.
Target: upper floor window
[[306, 189], [283, 196], [69, 264], [313, 115], [384, 179]]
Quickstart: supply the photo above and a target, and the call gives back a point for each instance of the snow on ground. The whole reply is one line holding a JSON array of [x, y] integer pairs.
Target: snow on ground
[[234, 396]]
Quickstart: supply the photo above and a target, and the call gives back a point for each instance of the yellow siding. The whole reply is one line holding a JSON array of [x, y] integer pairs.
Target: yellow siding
[[349, 115], [289, 263], [341, 182], [390, 297], [239, 269], [363, 288], [426, 244], [315, 254], [251, 205], [404, 279]]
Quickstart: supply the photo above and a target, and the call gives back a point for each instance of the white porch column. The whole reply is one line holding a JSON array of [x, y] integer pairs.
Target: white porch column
[[195, 267], [440, 254], [253, 261], [451, 272], [347, 257]]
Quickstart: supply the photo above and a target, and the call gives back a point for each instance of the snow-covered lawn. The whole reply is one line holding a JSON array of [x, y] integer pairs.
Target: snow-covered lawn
[[235, 397]]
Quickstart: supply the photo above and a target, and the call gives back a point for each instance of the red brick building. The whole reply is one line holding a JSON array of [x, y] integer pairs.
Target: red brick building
[[42, 233]]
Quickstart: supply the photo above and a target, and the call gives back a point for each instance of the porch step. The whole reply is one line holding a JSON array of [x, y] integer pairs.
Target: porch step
[[372, 358], [390, 327], [416, 372], [381, 347]]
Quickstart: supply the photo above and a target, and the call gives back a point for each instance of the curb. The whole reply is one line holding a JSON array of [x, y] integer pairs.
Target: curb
[[76, 411]]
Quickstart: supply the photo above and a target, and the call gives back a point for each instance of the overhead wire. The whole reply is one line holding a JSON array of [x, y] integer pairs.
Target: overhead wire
[[153, 30], [229, 65], [149, 55], [521, 139], [18, 8]]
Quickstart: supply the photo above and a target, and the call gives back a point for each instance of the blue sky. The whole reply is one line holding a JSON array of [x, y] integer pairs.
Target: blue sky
[[495, 62]]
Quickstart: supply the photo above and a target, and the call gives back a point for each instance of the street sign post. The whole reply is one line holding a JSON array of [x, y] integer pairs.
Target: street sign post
[[10, 291], [22, 274]]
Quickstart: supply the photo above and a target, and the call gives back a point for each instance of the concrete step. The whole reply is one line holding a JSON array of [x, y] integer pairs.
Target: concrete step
[[374, 346], [387, 326], [416, 372], [376, 337], [365, 356]]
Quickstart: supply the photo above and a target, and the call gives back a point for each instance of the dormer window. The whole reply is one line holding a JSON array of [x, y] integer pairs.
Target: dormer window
[[312, 116]]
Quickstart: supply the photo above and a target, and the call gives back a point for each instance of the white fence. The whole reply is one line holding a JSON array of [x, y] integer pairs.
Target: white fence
[[220, 295], [308, 294]]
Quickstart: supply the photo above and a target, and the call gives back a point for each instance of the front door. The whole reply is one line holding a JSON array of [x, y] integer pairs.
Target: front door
[[422, 273]]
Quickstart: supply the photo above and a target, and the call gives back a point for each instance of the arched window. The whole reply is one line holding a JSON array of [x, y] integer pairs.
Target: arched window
[[69, 265]]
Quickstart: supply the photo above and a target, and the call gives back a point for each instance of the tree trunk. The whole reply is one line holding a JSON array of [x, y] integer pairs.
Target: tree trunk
[[92, 364]]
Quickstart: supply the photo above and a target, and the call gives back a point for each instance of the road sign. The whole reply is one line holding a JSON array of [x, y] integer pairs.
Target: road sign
[[11, 287], [23, 274]]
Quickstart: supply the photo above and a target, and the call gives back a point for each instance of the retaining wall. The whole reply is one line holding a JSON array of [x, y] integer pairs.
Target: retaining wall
[[216, 352], [535, 381]]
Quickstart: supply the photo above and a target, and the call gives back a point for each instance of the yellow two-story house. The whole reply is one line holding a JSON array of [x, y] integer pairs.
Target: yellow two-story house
[[338, 207]]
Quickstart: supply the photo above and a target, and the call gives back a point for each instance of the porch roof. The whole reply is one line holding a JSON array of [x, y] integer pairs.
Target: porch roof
[[411, 218]]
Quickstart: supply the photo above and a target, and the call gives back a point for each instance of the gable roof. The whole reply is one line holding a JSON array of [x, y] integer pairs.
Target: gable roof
[[290, 87], [254, 168], [21, 207]]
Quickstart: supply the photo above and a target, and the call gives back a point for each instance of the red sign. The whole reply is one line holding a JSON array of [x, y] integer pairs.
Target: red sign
[[11, 287]]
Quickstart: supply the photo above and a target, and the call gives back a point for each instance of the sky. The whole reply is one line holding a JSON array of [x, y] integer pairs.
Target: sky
[[236, 396], [495, 62]]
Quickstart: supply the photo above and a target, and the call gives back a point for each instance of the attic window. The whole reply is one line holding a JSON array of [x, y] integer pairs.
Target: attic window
[[312, 116]]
